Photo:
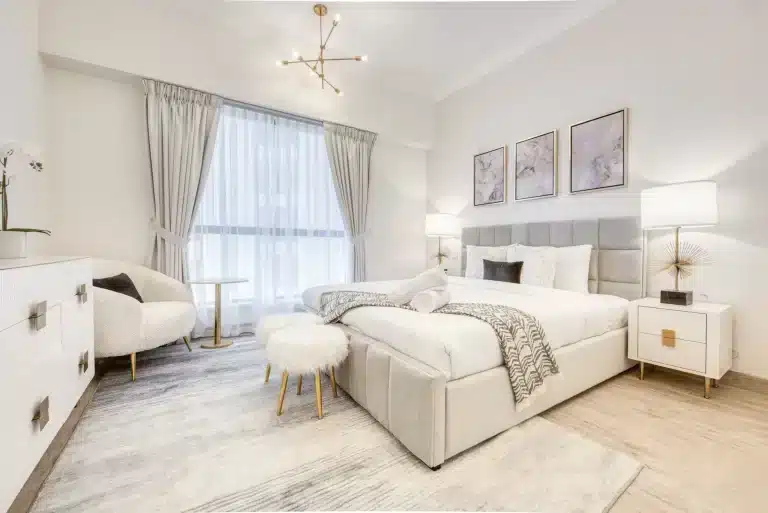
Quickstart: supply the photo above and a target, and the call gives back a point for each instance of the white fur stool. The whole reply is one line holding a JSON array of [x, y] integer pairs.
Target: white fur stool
[[307, 348], [269, 324]]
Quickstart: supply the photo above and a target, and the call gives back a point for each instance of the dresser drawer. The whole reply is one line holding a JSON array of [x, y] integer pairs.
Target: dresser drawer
[[691, 326], [23, 288], [686, 355]]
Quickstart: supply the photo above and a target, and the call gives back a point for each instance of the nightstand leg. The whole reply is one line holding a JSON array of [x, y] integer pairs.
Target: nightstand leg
[[642, 370], [707, 382], [715, 383]]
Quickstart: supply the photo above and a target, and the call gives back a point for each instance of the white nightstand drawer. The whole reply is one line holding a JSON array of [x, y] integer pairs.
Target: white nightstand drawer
[[685, 354], [690, 326]]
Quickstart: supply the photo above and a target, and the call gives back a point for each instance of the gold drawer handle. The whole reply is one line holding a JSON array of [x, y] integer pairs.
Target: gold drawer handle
[[668, 338], [38, 316], [82, 293], [41, 416], [82, 364]]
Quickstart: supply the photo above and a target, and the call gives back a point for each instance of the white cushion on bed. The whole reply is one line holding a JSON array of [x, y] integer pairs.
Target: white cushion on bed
[[476, 255], [572, 268], [539, 264], [405, 291]]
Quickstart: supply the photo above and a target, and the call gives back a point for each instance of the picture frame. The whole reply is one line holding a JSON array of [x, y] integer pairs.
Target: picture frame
[[490, 177], [598, 153], [536, 167]]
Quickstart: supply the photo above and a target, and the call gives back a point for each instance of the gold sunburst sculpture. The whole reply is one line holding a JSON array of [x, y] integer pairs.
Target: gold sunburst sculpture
[[317, 66], [680, 259]]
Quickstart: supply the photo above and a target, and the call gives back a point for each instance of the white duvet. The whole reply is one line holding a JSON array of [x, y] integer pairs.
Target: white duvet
[[460, 346]]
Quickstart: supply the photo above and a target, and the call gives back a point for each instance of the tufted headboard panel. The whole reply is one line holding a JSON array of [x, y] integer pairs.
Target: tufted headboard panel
[[617, 248]]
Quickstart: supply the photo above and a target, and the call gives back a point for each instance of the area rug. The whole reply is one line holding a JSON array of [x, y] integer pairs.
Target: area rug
[[197, 432]]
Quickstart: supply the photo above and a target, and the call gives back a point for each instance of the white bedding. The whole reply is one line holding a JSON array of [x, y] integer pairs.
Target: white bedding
[[459, 346]]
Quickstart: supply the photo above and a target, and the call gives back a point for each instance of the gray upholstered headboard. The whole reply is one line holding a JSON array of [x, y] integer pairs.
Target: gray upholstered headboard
[[617, 248]]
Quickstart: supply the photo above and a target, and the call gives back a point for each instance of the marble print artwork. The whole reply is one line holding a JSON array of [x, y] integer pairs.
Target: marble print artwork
[[536, 167], [597, 153], [197, 432], [490, 177]]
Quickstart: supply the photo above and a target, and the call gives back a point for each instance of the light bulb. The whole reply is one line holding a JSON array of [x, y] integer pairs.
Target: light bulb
[[364, 58], [339, 92], [296, 55], [280, 64], [337, 18]]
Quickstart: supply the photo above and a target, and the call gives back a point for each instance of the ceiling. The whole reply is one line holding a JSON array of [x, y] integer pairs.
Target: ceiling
[[426, 49]]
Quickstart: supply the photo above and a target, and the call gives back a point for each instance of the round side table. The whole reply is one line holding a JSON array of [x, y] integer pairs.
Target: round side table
[[218, 282]]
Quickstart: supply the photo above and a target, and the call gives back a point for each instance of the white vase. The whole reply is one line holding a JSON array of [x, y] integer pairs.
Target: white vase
[[13, 244]]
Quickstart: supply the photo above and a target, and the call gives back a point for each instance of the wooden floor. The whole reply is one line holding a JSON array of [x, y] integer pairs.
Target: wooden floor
[[701, 455]]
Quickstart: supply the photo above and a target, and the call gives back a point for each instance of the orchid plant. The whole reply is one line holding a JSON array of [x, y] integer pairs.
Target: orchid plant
[[13, 159]]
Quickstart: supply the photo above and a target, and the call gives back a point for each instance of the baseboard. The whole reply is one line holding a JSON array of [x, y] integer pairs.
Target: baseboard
[[31, 488]]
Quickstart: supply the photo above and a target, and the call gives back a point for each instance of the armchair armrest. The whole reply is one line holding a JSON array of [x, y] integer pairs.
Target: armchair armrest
[[160, 287], [117, 322]]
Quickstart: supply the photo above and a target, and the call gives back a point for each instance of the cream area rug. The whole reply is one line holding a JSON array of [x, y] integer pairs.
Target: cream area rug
[[197, 432]]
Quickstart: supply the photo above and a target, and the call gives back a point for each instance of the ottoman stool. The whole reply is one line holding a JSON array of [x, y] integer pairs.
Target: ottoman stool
[[307, 348], [271, 323]]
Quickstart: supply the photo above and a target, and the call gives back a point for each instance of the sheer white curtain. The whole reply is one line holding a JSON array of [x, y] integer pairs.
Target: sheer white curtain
[[269, 214]]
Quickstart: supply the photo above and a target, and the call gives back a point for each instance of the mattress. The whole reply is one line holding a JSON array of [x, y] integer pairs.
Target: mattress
[[460, 346]]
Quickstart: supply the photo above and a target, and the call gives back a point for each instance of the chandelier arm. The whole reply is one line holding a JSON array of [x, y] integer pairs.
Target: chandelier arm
[[324, 43], [322, 48], [344, 59], [325, 80], [313, 70]]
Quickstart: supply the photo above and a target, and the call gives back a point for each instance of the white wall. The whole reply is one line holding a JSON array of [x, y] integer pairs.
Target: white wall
[[693, 74], [99, 166], [100, 172], [21, 111], [165, 41]]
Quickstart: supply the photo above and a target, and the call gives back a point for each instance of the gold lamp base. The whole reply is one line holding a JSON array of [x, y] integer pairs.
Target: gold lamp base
[[213, 345]]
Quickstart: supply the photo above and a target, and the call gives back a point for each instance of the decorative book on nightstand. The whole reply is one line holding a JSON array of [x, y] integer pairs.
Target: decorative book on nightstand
[[696, 338]]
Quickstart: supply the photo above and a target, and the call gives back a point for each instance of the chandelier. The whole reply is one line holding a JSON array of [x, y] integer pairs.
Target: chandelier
[[317, 66]]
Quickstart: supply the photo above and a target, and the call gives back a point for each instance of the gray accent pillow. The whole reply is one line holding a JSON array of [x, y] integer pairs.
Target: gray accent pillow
[[502, 271]]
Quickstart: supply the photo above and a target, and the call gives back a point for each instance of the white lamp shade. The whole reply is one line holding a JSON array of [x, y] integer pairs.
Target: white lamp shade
[[442, 225], [680, 204]]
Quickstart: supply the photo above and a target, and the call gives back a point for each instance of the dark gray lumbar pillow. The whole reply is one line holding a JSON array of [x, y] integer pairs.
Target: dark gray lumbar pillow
[[120, 283], [502, 271]]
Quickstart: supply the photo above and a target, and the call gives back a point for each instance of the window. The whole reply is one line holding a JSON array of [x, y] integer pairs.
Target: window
[[269, 214]]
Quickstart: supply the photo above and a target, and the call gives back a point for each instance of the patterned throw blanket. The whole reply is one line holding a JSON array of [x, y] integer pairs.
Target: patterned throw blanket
[[527, 355]]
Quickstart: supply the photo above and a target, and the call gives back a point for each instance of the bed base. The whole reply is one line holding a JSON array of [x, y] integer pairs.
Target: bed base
[[437, 419]]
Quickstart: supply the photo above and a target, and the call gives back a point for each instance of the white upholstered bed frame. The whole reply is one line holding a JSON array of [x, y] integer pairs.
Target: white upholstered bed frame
[[437, 418]]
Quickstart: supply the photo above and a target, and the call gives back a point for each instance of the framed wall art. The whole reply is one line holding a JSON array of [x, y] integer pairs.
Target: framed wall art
[[598, 153], [536, 167], [490, 177]]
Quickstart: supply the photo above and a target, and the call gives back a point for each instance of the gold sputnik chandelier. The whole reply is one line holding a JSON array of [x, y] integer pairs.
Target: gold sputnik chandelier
[[317, 66]]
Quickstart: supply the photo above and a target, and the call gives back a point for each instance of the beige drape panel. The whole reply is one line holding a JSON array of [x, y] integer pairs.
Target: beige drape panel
[[181, 132], [349, 153]]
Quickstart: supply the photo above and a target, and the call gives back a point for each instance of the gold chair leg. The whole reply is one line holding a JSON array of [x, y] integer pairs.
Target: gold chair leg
[[280, 400], [707, 382], [333, 382], [318, 395], [298, 386], [133, 366], [186, 341], [642, 370], [266, 375]]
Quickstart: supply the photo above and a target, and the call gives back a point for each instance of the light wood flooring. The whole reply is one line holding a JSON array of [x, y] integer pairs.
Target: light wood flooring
[[701, 455]]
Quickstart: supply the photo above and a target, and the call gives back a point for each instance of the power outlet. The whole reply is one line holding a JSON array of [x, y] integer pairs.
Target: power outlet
[[734, 353]]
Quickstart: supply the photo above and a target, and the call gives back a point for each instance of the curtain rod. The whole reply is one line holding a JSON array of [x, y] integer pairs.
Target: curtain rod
[[246, 105]]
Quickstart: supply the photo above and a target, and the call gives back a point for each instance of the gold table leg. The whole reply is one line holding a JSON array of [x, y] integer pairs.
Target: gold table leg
[[217, 342], [642, 370], [318, 395], [707, 382], [266, 373], [133, 366], [333, 382], [298, 386], [280, 399], [715, 383]]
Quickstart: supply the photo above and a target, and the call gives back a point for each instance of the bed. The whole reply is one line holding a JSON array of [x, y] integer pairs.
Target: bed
[[437, 381]]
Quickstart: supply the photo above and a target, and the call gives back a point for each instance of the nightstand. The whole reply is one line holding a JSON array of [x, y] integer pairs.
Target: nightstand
[[696, 339]]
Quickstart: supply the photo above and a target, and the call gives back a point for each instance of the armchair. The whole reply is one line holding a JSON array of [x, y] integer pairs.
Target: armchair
[[123, 326]]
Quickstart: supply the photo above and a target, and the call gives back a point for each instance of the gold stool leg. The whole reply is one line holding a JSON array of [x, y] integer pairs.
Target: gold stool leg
[[318, 395], [642, 370], [298, 386], [133, 366], [280, 400], [186, 341], [333, 382], [707, 382], [266, 374]]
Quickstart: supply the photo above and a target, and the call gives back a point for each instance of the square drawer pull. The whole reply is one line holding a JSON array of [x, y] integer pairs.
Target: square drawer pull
[[82, 293], [668, 338], [41, 416], [38, 316], [82, 364]]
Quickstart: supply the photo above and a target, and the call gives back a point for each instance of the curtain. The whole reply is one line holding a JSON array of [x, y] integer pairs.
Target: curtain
[[181, 124], [349, 150], [269, 214]]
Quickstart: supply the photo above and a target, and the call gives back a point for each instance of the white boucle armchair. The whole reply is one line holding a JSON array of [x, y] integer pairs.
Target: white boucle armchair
[[124, 326]]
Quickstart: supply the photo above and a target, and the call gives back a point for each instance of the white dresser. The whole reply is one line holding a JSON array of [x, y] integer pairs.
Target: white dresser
[[696, 338], [46, 358]]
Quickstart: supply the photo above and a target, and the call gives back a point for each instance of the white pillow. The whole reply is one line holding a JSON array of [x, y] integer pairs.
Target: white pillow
[[539, 263], [429, 279], [476, 255], [572, 268]]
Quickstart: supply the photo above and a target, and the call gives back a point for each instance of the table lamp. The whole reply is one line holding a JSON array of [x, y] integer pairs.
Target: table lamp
[[678, 206], [442, 225]]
